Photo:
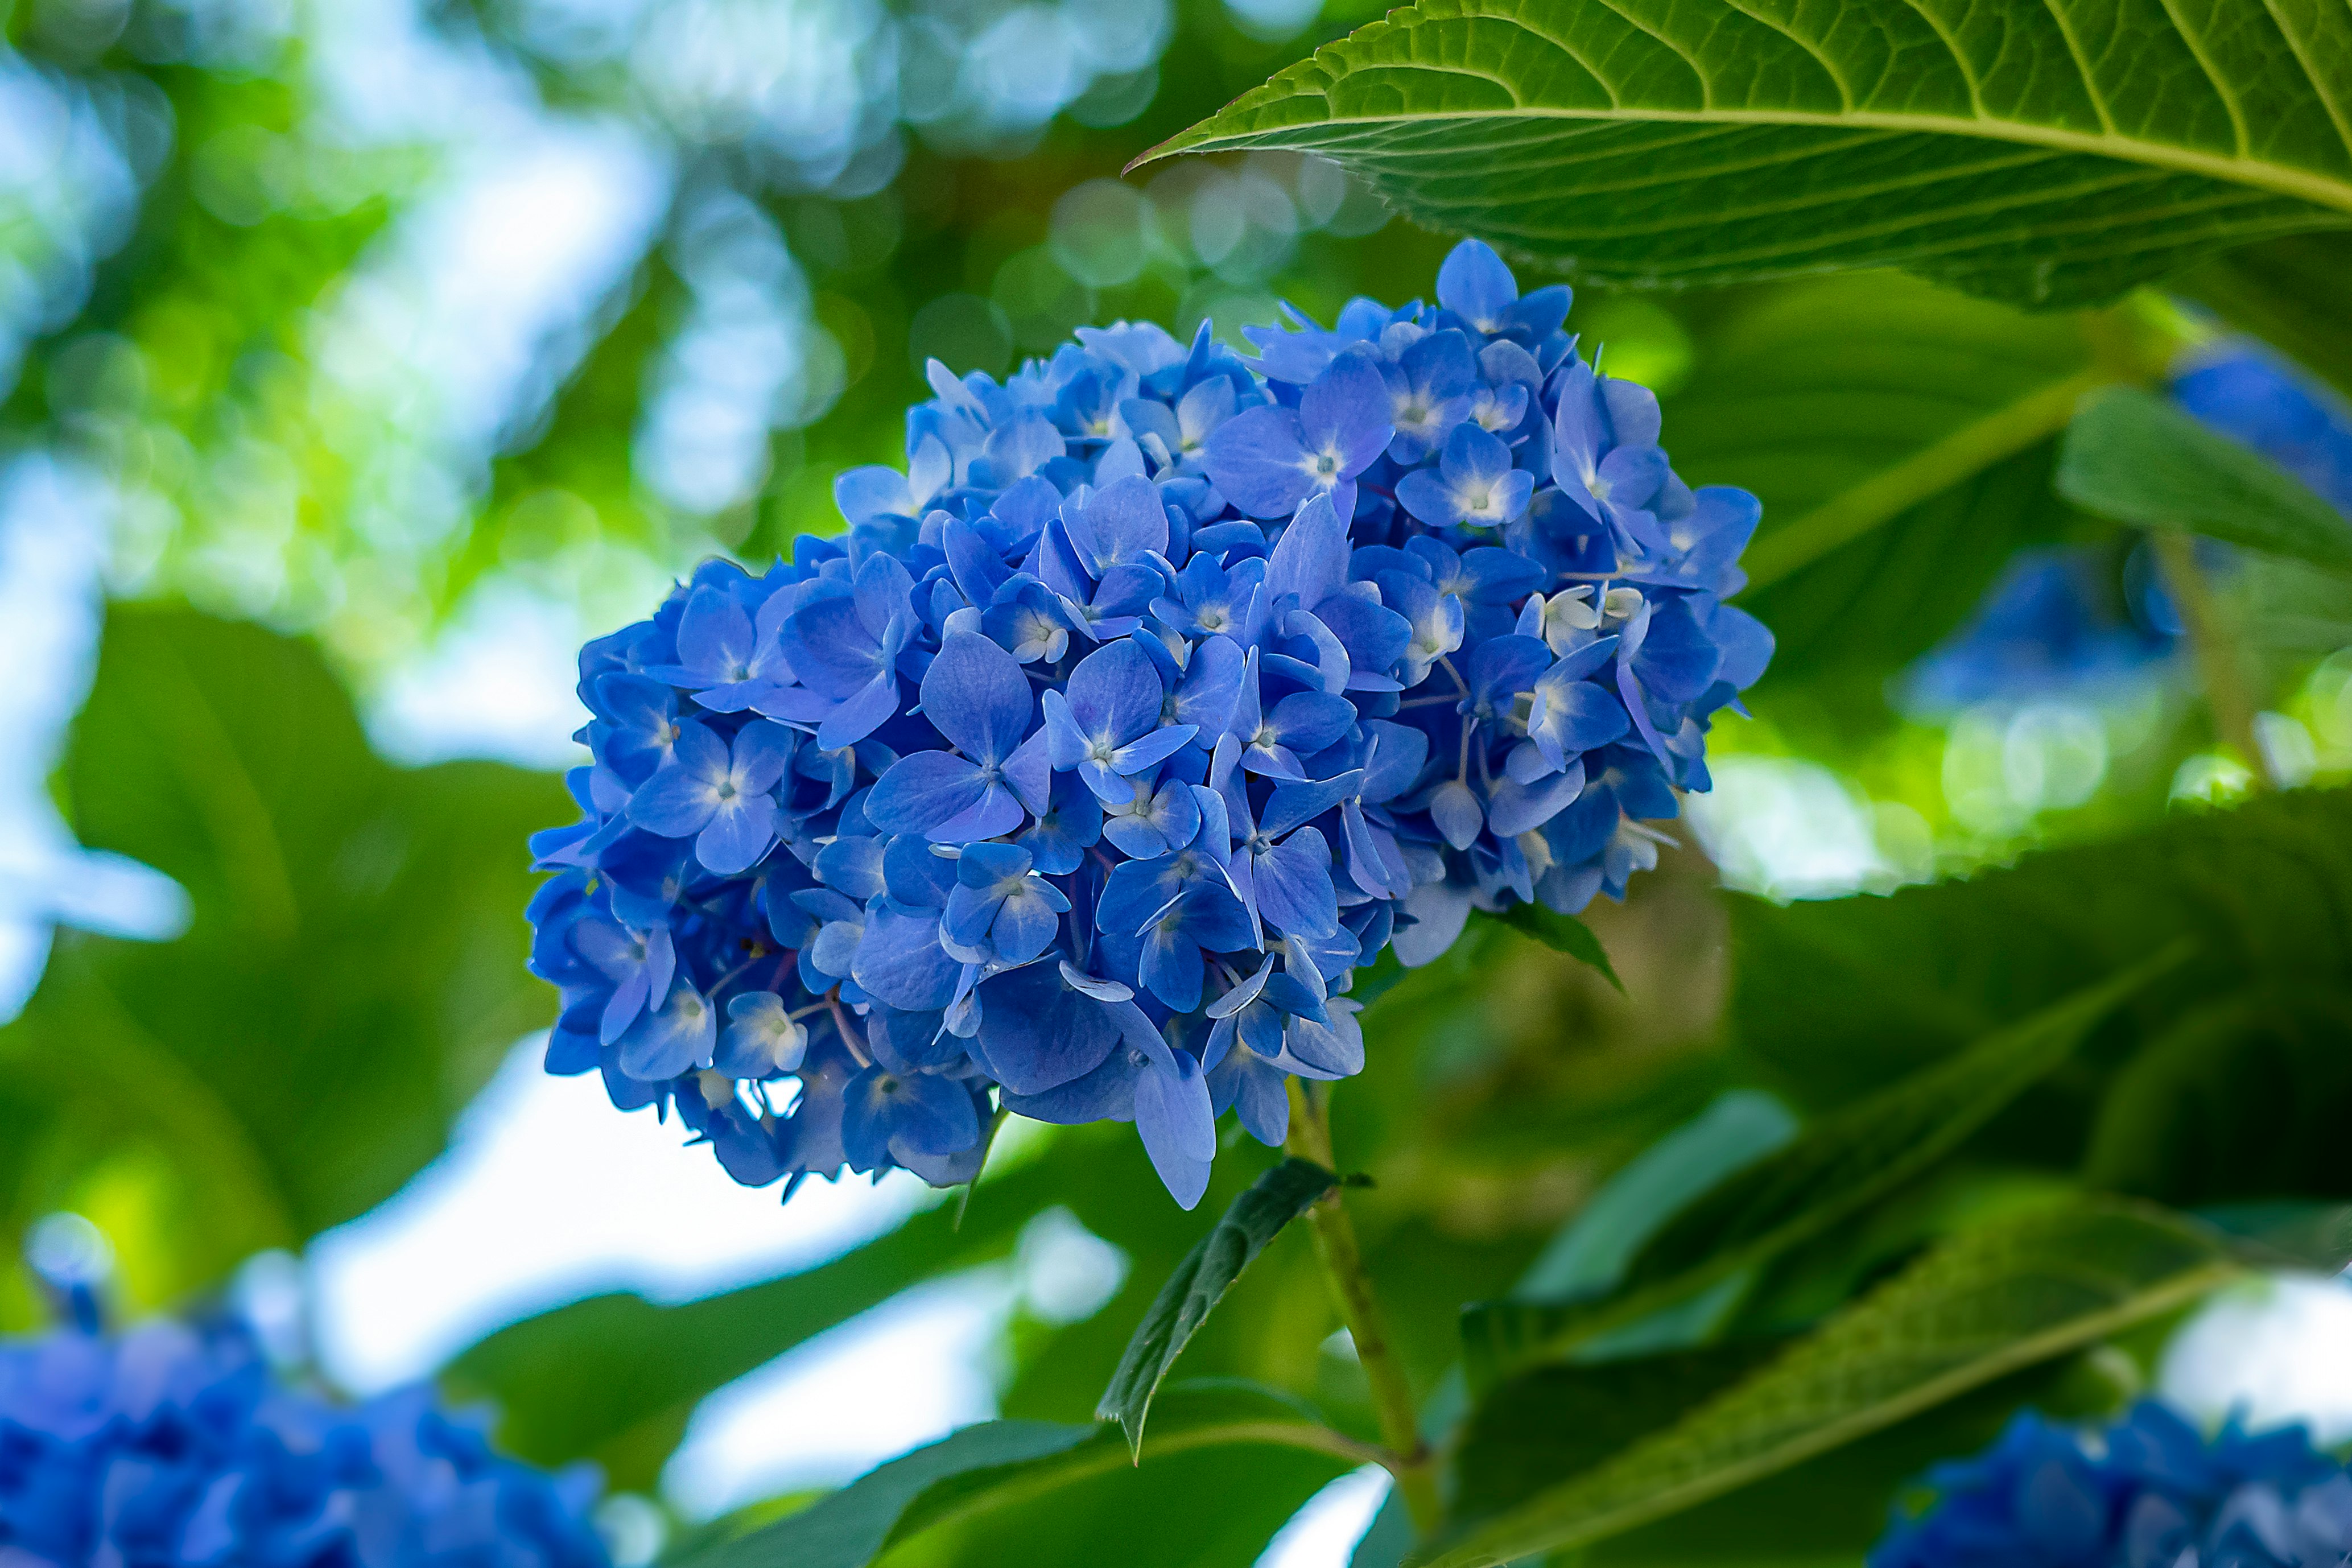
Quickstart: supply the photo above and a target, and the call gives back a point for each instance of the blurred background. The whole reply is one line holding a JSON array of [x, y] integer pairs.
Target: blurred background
[[358, 360]]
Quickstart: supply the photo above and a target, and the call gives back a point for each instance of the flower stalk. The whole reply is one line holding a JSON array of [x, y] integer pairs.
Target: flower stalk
[[2218, 670], [1408, 1457]]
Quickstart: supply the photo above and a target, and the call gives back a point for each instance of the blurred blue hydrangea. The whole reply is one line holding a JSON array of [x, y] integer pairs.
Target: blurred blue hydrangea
[[1159, 692], [2253, 397], [176, 1444], [2064, 622], [2149, 1491]]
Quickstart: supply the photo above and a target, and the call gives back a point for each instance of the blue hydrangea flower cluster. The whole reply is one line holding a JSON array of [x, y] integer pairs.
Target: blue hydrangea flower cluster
[[2149, 1491], [174, 1446], [2250, 396], [2061, 623], [1160, 692]]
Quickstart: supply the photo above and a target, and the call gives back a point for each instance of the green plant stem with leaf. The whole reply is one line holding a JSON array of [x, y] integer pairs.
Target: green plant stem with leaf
[[1408, 1457], [2219, 669]]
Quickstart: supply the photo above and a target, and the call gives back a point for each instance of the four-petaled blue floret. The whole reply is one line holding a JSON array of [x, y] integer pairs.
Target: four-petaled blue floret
[[1165, 690], [179, 1444], [2149, 1491]]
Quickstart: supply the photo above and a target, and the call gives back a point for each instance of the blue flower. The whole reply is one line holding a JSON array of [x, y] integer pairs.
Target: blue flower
[[1107, 725], [999, 908], [2149, 1491], [180, 1443], [718, 794], [1270, 459], [844, 642], [1475, 483], [1429, 394], [976, 697], [1163, 692]]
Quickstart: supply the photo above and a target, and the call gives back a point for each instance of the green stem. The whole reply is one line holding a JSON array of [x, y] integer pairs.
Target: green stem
[[1409, 1459], [2218, 667], [1929, 472]]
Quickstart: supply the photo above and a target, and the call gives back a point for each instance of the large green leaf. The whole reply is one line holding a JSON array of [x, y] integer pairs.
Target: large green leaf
[[353, 969], [1564, 1419], [1846, 994], [1836, 1168], [1987, 1303], [2055, 151], [1002, 1463], [2133, 456], [1193, 1290]]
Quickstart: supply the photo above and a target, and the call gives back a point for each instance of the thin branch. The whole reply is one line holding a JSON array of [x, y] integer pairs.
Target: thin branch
[[2219, 669], [1410, 1459]]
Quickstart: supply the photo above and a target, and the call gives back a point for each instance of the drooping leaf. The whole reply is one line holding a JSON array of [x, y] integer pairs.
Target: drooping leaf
[[2009, 148], [353, 972], [999, 1464], [1985, 1304], [1192, 1291], [1562, 933], [1843, 995], [1837, 1167], [2136, 456]]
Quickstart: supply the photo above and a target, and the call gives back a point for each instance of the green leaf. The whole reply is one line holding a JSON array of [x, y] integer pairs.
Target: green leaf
[[1563, 1420], [2293, 292], [2011, 148], [1592, 1251], [1985, 1304], [1843, 995], [2241, 1098], [1901, 438], [1562, 933], [2317, 1236], [1192, 1291], [2133, 456], [353, 972], [1839, 1166], [1001, 1463]]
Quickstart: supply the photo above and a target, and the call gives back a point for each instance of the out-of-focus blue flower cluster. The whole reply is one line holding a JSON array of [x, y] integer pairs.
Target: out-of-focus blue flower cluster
[[2067, 621], [174, 1445], [2149, 1491], [1161, 690], [2251, 396], [2064, 621]]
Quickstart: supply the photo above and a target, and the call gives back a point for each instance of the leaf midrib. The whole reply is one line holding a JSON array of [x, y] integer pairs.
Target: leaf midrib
[[1959, 1379], [2283, 179]]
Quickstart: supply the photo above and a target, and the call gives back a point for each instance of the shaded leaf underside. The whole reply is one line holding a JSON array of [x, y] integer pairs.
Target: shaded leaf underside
[[1839, 1166], [2056, 153], [1986, 1304]]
